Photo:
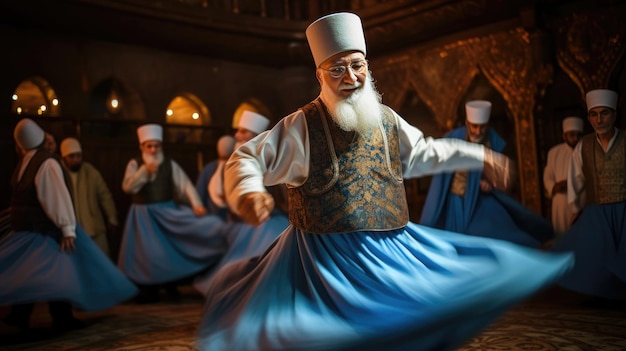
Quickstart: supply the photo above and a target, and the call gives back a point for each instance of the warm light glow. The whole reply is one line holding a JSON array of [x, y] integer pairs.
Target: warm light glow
[[14, 97], [169, 112], [114, 103], [39, 112], [55, 102], [19, 110], [195, 115], [43, 108]]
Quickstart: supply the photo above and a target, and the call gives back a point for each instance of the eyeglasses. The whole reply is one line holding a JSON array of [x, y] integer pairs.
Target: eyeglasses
[[358, 67]]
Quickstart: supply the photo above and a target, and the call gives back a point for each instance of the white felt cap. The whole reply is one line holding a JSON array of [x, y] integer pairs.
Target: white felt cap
[[601, 97], [27, 134], [150, 132], [333, 34], [253, 121], [70, 146], [478, 111], [225, 146], [572, 123]]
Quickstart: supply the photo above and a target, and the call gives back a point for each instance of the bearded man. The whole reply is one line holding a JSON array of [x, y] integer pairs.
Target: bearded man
[[351, 272], [167, 236], [93, 202]]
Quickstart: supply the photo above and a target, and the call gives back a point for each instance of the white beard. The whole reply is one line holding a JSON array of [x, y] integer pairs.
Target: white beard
[[148, 159], [360, 112]]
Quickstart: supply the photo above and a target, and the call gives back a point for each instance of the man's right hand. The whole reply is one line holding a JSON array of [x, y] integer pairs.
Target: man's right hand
[[498, 170], [255, 208], [559, 187]]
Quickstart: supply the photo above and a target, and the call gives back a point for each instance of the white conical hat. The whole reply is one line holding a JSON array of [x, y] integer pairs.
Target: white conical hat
[[70, 146], [225, 146], [150, 132], [27, 134], [478, 111], [333, 34], [573, 123], [253, 121], [601, 97]]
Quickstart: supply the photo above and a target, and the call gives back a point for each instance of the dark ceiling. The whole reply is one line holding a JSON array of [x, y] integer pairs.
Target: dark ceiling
[[201, 28]]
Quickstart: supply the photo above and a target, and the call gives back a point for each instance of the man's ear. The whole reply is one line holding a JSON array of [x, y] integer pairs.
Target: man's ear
[[318, 75]]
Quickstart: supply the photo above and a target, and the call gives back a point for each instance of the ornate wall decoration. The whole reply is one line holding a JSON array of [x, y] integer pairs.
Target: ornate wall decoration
[[589, 45], [442, 75]]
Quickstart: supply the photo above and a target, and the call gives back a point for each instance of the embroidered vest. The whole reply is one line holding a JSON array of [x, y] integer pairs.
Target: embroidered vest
[[355, 183], [605, 173], [26, 211], [161, 189]]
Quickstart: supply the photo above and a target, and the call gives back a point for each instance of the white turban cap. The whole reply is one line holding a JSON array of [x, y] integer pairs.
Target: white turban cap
[[601, 97], [478, 111], [70, 146], [27, 134], [150, 132], [572, 123], [225, 146], [333, 34], [253, 121]]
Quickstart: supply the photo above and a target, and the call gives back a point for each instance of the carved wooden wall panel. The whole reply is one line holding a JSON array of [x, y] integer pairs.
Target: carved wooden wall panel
[[441, 77]]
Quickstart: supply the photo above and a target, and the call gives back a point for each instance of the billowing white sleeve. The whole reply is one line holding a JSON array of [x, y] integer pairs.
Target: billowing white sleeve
[[424, 156], [576, 180], [277, 156], [134, 177], [54, 197], [183, 186]]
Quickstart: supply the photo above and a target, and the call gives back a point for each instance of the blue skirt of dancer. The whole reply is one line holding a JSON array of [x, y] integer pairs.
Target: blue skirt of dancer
[[598, 238], [245, 242], [416, 288], [164, 242], [34, 269]]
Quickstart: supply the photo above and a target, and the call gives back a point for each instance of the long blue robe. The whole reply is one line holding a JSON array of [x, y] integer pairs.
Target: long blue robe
[[598, 237], [34, 269], [495, 214], [414, 288]]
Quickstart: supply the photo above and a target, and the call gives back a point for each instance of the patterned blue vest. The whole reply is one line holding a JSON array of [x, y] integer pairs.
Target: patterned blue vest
[[355, 182]]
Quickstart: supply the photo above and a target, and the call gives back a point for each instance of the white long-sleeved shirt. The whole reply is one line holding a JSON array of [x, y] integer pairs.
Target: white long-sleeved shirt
[[576, 196], [135, 177], [556, 170], [216, 185], [281, 156], [52, 193]]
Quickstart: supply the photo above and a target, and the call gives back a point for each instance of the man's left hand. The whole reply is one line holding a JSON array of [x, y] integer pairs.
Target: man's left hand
[[199, 210], [67, 244]]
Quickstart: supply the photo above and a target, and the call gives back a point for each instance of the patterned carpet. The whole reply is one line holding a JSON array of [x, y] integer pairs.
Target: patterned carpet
[[554, 320]]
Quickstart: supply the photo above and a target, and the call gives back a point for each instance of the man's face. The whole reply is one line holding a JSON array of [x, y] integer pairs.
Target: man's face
[[150, 147], [343, 85], [602, 119], [49, 143], [243, 135], [73, 161], [476, 132], [572, 137]]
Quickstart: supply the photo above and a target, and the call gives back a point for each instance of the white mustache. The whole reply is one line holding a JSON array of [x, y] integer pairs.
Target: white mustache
[[356, 85]]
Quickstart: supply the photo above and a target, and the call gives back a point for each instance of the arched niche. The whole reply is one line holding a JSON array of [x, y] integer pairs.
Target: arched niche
[[184, 114], [112, 100], [254, 105], [34, 96]]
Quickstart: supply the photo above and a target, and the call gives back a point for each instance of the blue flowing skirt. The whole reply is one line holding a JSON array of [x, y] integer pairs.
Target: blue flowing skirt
[[34, 269], [165, 242], [245, 241], [415, 288], [598, 238]]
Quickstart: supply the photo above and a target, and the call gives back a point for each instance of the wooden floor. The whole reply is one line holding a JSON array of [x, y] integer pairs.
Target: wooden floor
[[552, 320]]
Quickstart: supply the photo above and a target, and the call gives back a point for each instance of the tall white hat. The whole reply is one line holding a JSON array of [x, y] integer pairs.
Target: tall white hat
[[572, 123], [225, 146], [253, 121], [601, 97], [70, 146], [150, 132], [478, 111], [27, 134], [333, 34]]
